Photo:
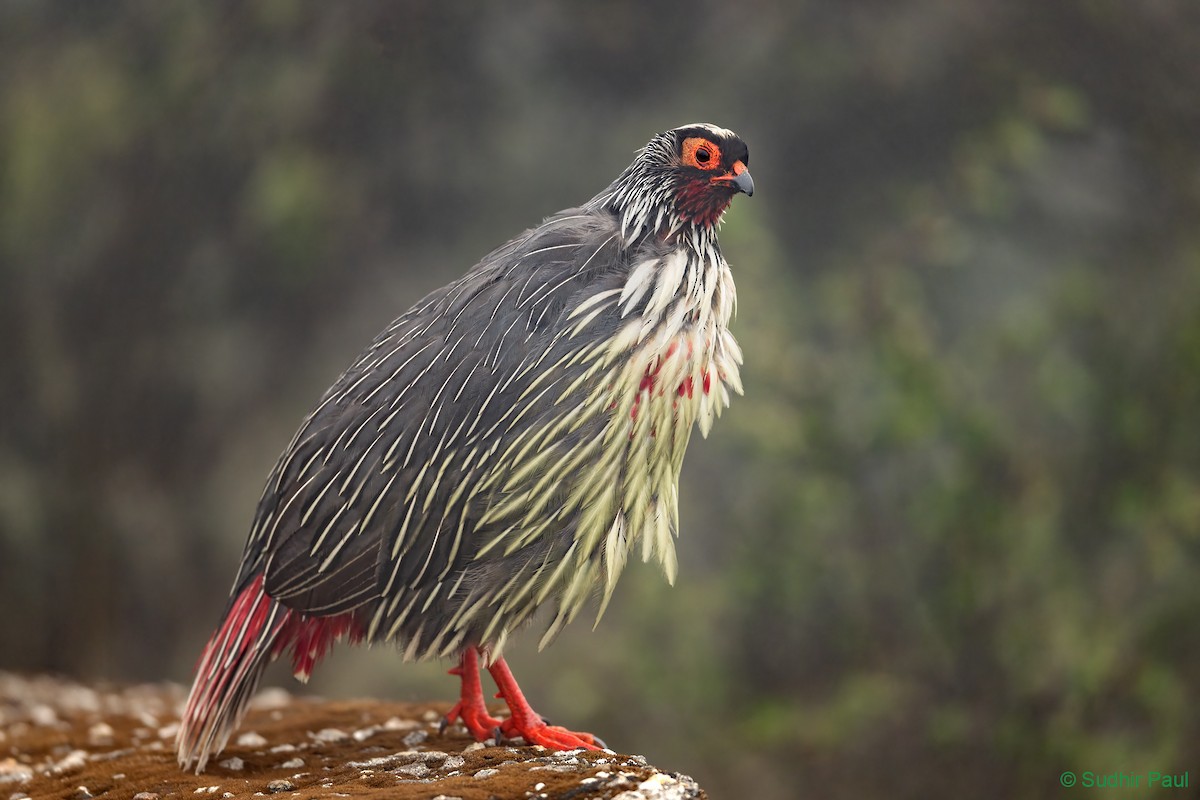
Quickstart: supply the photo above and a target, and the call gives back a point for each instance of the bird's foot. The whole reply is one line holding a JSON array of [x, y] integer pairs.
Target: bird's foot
[[527, 723], [523, 721], [554, 737]]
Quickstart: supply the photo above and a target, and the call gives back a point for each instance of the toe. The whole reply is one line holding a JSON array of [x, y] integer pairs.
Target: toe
[[557, 738]]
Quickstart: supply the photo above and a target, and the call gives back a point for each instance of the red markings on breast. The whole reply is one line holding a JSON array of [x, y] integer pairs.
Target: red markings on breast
[[649, 381]]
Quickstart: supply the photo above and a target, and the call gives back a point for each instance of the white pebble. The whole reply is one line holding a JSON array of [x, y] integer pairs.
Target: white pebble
[[251, 739], [73, 760], [234, 764], [12, 771], [294, 763], [329, 735], [415, 738], [486, 773], [43, 715], [417, 770], [397, 724], [371, 763], [273, 697], [100, 733], [362, 734]]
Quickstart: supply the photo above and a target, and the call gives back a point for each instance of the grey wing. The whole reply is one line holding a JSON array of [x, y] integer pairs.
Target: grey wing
[[376, 497]]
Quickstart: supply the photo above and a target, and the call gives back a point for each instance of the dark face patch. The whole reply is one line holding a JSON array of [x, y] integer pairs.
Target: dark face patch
[[707, 161]]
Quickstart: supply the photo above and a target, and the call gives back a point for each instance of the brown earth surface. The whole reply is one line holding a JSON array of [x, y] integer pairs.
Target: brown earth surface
[[60, 739]]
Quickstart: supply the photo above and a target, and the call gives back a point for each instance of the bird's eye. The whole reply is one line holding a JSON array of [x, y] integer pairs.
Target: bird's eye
[[700, 153]]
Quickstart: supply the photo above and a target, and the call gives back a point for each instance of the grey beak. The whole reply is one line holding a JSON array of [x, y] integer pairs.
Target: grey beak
[[744, 183]]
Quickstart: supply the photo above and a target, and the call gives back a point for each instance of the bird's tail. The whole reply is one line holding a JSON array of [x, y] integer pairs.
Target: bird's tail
[[228, 673], [255, 630]]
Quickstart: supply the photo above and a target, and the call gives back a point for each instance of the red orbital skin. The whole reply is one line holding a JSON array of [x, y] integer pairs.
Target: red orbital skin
[[523, 721]]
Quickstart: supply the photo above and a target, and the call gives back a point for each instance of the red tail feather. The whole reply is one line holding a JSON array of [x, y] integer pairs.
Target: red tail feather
[[255, 632], [312, 637]]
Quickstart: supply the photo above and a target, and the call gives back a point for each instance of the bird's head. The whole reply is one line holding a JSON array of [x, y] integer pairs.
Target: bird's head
[[685, 176]]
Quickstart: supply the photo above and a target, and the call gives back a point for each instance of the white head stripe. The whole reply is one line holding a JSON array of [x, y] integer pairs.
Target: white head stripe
[[713, 129]]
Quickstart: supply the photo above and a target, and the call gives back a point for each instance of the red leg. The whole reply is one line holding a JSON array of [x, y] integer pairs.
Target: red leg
[[471, 708], [527, 723]]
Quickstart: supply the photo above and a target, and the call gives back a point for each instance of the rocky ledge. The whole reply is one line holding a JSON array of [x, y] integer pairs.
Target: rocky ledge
[[63, 740]]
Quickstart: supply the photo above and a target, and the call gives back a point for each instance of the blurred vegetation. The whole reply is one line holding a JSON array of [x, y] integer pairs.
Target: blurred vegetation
[[946, 545]]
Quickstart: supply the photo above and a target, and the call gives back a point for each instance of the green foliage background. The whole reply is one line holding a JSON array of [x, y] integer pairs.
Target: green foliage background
[[946, 545]]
